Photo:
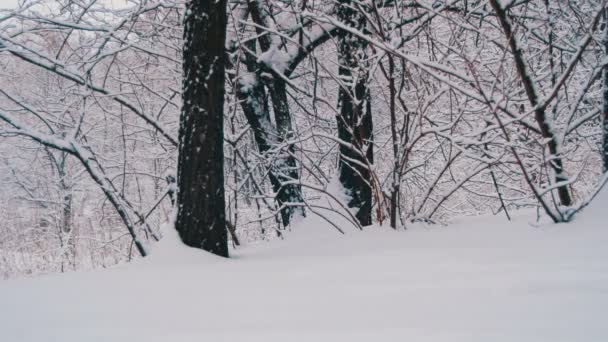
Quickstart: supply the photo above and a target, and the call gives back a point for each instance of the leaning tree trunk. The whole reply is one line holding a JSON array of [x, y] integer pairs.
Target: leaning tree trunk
[[354, 120], [540, 114], [201, 218]]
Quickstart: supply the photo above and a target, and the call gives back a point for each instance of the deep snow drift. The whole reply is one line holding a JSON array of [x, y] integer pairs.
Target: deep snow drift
[[479, 279]]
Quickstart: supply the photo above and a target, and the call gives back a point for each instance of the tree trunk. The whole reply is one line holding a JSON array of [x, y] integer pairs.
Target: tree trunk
[[540, 114], [286, 169], [255, 107], [201, 218], [355, 120], [395, 139], [254, 102], [605, 98]]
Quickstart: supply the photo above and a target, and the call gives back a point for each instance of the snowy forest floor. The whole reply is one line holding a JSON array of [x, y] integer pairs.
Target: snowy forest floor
[[478, 279]]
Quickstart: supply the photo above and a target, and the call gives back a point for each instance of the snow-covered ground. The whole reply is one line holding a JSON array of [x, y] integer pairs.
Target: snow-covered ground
[[479, 279]]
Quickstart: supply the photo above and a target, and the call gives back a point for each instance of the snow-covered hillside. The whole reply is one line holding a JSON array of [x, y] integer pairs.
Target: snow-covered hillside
[[481, 279]]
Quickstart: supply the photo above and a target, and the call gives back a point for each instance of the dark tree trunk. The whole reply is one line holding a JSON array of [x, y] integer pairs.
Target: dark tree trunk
[[355, 120], [285, 168], [201, 218], [252, 95], [540, 115], [254, 103], [605, 96]]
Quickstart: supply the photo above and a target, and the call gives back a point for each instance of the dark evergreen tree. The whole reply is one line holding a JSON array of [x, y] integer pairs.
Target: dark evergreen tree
[[201, 218]]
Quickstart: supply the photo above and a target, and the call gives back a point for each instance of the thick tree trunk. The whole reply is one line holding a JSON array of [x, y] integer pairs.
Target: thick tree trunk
[[355, 120], [201, 218]]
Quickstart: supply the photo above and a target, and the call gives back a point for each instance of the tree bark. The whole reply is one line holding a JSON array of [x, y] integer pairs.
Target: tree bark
[[354, 120], [605, 98], [255, 107], [540, 112], [285, 168], [201, 218]]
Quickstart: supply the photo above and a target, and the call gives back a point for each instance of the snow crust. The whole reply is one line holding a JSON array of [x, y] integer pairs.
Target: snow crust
[[480, 279]]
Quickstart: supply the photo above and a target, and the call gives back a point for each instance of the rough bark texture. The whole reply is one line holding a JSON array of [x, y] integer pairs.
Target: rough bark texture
[[354, 120], [201, 218]]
